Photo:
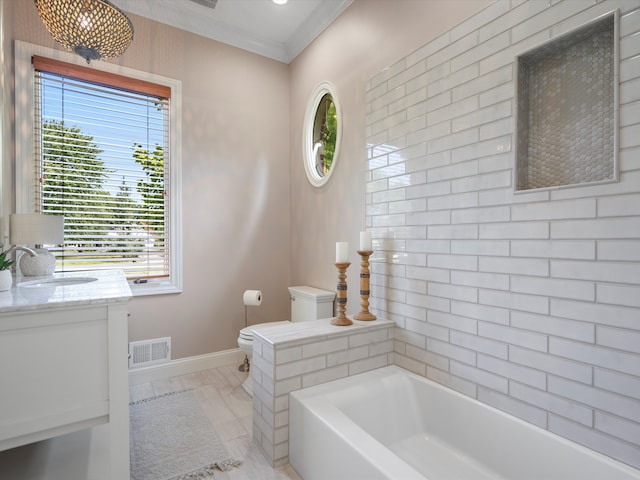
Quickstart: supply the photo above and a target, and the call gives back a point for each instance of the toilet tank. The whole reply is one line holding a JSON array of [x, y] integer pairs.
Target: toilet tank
[[310, 303]]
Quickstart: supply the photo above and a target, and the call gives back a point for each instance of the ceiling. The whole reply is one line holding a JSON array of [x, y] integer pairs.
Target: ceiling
[[279, 32]]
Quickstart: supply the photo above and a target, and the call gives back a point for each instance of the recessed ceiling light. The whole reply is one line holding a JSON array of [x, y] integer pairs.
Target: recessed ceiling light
[[279, 2]]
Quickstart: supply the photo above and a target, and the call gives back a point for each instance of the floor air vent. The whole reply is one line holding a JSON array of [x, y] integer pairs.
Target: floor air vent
[[149, 352]]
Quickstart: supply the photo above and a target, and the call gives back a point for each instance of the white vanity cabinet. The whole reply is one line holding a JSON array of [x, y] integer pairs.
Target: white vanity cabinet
[[63, 364]]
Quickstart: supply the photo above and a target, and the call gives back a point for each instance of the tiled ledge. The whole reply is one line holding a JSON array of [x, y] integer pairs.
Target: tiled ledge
[[290, 357]]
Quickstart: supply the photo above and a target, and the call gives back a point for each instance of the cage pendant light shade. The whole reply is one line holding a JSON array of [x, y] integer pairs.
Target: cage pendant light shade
[[94, 29]]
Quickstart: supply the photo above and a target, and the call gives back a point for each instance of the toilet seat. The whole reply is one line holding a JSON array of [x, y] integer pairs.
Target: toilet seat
[[247, 332]]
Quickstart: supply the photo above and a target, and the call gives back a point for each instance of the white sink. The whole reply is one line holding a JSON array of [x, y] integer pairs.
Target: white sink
[[56, 281]]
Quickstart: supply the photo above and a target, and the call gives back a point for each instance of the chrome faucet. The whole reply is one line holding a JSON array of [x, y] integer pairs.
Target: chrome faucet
[[31, 252]]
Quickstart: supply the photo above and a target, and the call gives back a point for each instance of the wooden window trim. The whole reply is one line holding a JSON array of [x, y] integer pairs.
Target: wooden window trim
[[44, 64]]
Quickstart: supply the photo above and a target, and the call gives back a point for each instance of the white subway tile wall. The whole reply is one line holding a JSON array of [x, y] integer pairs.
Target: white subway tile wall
[[299, 355], [529, 302]]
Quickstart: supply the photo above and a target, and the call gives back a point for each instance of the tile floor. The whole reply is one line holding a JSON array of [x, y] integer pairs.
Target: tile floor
[[229, 407]]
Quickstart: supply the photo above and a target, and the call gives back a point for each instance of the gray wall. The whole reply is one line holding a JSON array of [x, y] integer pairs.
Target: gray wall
[[235, 179]]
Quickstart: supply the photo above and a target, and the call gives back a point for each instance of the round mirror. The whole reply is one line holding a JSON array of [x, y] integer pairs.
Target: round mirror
[[321, 134]]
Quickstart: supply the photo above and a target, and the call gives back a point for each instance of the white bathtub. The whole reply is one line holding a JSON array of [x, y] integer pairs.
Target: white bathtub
[[392, 424]]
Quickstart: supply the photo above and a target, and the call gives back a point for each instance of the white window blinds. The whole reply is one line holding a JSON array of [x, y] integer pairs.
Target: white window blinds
[[102, 161]]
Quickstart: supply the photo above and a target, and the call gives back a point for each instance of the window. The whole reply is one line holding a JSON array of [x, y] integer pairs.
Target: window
[[102, 156], [321, 134]]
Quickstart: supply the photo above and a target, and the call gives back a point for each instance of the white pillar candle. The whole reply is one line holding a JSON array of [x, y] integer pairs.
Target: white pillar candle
[[365, 241], [342, 252]]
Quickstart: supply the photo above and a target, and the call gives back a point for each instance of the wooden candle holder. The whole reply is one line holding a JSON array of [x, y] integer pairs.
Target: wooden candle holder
[[342, 320], [364, 314]]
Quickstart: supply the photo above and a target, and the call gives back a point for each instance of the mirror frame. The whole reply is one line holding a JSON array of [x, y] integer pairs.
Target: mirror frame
[[319, 92]]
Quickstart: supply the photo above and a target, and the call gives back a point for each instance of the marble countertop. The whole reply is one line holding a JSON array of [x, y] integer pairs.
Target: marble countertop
[[31, 293]]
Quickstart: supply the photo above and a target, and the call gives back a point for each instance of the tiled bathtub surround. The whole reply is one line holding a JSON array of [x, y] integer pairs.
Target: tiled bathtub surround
[[298, 355], [529, 301]]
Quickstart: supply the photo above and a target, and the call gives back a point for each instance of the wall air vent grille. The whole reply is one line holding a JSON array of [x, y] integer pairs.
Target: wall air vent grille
[[149, 352]]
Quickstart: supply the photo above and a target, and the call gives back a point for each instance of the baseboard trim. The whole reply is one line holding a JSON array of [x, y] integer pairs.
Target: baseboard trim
[[182, 366]]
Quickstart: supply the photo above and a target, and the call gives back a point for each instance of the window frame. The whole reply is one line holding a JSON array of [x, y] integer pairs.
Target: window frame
[[24, 144]]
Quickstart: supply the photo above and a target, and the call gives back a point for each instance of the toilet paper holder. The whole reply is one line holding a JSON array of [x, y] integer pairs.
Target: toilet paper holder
[[250, 298]]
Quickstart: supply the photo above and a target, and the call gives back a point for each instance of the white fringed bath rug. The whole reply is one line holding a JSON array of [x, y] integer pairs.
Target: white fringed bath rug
[[172, 439]]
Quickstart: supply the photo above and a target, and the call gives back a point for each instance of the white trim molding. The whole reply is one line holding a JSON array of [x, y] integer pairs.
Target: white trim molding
[[186, 365]]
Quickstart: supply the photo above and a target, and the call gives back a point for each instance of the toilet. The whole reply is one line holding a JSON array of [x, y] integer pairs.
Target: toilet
[[307, 303]]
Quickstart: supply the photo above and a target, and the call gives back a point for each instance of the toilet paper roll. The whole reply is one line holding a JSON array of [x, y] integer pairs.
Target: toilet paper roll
[[252, 298]]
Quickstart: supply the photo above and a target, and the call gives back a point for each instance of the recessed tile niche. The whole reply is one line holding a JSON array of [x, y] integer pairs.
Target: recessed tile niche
[[567, 109]]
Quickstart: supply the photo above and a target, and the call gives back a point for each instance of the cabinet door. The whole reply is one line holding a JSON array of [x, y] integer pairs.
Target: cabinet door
[[54, 374]]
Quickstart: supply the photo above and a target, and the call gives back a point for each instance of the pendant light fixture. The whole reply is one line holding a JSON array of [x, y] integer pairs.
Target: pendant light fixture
[[94, 29]]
